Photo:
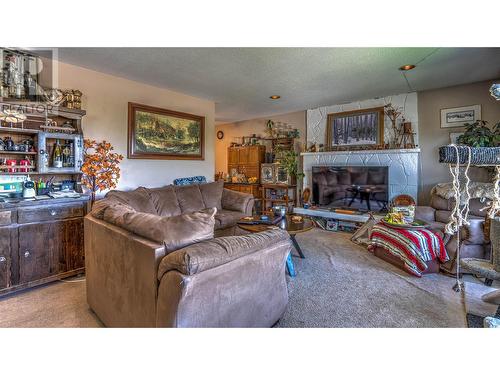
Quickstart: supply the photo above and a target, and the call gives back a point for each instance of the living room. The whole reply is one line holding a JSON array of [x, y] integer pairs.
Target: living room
[[339, 183]]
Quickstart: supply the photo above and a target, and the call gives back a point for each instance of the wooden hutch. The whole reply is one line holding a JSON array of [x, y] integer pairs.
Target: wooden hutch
[[246, 160], [41, 238]]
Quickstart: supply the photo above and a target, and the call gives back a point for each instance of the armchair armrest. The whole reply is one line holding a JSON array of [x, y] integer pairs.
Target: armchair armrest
[[425, 213], [209, 254], [236, 201]]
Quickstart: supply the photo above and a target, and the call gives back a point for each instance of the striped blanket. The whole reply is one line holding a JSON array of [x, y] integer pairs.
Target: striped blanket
[[413, 246]]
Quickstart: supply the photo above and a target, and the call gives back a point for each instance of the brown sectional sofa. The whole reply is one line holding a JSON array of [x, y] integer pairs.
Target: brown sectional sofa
[[136, 280], [473, 243]]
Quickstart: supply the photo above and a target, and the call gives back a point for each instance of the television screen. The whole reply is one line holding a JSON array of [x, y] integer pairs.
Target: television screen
[[359, 188]]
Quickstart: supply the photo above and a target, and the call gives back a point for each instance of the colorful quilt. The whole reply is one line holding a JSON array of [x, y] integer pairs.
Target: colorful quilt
[[414, 247]]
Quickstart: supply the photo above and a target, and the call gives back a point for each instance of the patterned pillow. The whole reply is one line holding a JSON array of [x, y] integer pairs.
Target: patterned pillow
[[190, 180]]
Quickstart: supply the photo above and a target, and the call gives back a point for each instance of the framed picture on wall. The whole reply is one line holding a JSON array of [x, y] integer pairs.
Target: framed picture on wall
[[355, 128], [459, 116], [157, 133], [454, 137]]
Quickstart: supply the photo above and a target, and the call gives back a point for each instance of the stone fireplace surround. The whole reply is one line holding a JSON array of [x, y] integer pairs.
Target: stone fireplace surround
[[403, 166]]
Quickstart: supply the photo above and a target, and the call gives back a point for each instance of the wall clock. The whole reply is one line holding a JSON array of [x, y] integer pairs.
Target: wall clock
[[220, 134]]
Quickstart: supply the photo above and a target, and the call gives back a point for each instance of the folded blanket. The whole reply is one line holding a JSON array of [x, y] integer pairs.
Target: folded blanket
[[414, 247]]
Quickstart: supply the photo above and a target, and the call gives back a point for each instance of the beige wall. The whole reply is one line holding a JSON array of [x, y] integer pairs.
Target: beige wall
[[106, 97], [234, 131], [432, 135]]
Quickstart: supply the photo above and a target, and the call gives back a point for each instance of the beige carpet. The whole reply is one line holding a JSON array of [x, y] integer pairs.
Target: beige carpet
[[59, 304], [339, 284]]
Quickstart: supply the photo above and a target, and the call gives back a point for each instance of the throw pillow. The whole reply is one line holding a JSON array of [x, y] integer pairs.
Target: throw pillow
[[212, 194], [139, 199], [174, 232]]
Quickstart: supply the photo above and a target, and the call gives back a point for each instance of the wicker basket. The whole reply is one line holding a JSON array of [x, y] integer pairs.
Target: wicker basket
[[479, 155]]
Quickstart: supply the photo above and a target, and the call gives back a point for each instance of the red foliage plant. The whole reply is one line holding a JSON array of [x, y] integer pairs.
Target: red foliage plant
[[100, 166]]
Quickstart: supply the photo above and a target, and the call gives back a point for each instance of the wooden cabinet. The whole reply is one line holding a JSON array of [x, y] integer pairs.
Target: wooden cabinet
[[232, 155], [39, 249], [6, 250], [246, 159], [43, 243]]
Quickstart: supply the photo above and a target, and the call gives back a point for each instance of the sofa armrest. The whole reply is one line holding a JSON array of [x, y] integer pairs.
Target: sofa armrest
[[121, 270], [209, 254], [236, 201], [425, 213]]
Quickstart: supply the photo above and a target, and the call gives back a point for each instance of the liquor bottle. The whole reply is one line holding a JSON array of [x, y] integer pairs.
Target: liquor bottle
[[66, 154], [57, 156]]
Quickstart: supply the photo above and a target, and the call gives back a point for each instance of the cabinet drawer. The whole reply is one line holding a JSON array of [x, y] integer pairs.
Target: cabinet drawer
[[6, 217], [47, 213]]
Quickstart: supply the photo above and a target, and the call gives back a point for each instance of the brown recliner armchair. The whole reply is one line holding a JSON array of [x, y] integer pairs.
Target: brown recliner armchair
[[473, 243]]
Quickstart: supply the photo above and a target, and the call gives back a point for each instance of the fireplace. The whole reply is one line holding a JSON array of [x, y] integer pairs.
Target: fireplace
[[352, 187]]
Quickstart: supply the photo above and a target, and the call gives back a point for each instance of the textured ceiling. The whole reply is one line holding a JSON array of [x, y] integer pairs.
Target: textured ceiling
[[240, 80]]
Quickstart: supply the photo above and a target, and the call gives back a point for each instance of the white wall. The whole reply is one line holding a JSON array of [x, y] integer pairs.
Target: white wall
[[316, 118], [106, 97]]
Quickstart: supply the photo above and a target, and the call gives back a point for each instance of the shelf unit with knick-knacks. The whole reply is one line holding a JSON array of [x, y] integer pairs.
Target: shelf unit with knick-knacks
[[41, 237]]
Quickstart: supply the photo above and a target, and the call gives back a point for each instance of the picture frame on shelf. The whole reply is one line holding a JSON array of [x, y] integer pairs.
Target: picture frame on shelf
[[459, 116], [363, 127], [454, 137], [267, 173], [157, 133], [282, 176]]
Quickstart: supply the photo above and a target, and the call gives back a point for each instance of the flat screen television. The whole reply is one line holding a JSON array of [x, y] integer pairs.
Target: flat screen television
[[358, 188]]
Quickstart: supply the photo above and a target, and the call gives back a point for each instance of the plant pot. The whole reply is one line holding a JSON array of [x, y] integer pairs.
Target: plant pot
[[479, 155]]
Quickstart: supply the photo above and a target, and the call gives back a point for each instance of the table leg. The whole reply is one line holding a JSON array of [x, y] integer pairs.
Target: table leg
[[290, 266], [297, 247]]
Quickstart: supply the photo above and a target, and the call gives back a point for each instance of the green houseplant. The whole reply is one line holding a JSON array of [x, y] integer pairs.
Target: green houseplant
[[478, 134], [289, 159]]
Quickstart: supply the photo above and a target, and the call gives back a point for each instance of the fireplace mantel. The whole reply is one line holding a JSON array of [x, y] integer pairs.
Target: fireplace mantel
[[403, 166], [347, 152]]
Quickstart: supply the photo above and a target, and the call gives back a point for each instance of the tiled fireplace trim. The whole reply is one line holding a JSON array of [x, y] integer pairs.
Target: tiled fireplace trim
[[403, 166]]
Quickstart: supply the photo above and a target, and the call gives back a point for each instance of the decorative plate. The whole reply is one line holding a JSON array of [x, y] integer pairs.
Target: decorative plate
[[417, 224]]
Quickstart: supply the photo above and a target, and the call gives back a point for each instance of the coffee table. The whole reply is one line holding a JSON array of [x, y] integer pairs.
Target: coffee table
[[293, 228]]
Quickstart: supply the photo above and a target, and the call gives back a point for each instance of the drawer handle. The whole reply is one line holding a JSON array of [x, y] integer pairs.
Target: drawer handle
[[2, 259], [26, 254], [53, 212]]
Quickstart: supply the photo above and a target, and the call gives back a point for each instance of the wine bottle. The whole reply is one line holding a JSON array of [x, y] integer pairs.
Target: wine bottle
[[57, 157]]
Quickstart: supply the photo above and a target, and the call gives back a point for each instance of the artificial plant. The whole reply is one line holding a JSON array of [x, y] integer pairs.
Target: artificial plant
[[478, 134], [100, 167], [289, 159]]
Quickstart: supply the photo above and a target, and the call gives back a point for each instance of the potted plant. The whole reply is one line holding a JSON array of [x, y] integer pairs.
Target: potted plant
[[289, 160], [478, 134]]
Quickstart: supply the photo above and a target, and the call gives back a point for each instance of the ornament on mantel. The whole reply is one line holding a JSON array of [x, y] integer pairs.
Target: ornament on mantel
[[393, 113]]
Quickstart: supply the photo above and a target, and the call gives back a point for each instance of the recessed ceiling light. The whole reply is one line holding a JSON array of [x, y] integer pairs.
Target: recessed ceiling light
[[274, 97], [407, 67]]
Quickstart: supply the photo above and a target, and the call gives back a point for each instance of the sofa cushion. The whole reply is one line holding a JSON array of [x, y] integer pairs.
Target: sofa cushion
[[174, 232], [139, 199], [212, 194], [165, 201], [189, 198], [225, 218], [210, 254]]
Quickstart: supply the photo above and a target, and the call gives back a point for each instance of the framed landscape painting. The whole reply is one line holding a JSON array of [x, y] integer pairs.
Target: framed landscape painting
[[157, 133], [364, 127], [456, 117]]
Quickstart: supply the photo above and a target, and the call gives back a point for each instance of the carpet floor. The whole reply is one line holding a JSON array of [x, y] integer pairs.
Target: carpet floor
[[338, 284]]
